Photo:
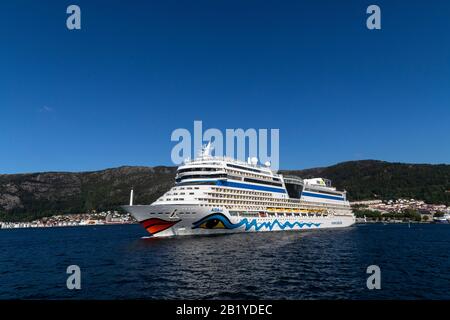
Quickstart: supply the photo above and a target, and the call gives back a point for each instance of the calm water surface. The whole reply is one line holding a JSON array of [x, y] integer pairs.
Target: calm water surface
[[116, 263]]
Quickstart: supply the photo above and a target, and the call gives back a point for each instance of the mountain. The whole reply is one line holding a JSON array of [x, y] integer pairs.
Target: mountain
[[33, 195], [373, 179], [29, 196]]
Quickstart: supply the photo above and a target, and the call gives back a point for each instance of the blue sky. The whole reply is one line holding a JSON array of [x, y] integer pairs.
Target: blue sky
[[112, 93]]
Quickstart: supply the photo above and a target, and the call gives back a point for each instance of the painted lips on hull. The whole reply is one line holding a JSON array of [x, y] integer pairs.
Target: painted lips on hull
[[155, 225]]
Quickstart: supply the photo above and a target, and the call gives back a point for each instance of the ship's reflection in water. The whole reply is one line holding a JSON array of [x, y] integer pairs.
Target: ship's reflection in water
[[117, 263]]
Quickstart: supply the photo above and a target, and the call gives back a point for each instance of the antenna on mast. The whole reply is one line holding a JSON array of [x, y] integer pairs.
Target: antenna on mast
[[206, 150]]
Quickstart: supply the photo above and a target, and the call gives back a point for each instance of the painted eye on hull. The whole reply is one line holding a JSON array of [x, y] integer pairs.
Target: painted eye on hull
[[214, 221], [212, 224]]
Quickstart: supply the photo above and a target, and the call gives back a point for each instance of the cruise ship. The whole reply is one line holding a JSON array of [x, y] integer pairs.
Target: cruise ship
[[215, 195]]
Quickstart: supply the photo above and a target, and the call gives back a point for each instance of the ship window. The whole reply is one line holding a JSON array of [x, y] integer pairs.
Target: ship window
[[212, 176], [243, 168], [325, 192], [263, 182], [197, 169], [206, 183]]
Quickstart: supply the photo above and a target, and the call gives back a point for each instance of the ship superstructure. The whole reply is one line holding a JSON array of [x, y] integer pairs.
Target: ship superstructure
[[221, 195]]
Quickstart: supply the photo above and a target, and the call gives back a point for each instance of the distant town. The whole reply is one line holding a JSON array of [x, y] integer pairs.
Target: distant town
[[70, 220], [400, 210]]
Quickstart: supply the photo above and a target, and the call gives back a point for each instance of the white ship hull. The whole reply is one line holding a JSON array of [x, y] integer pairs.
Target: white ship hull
[[179, 220]]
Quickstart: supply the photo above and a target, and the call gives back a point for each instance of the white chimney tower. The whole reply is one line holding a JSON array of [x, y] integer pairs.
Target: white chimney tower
[[131, 197]]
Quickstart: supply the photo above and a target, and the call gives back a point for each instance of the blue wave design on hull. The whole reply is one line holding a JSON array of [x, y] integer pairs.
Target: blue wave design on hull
[[248, 224], [270, 225]]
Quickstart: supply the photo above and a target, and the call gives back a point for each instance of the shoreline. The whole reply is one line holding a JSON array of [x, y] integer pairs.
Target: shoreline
[[399, 222], [27, 225]]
